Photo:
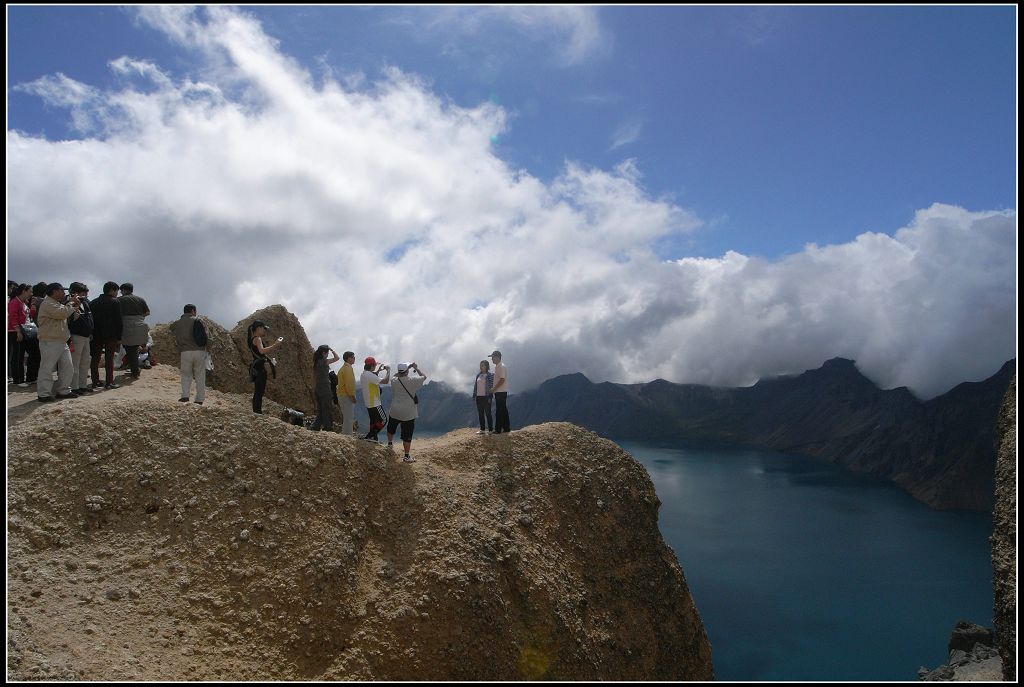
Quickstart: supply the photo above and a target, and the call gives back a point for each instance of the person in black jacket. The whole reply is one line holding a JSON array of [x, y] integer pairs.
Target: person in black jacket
[[81, 333], [106, 336]]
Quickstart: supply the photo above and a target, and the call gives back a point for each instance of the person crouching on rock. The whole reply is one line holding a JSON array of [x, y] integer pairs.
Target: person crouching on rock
[[322, 381], [258, 370], [404, 405]]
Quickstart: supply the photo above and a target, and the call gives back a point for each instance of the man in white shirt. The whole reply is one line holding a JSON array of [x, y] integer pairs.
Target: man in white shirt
[[501, 421], [404, 405]]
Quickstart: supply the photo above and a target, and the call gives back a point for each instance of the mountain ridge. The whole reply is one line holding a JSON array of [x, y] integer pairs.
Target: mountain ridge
[[941, 450]]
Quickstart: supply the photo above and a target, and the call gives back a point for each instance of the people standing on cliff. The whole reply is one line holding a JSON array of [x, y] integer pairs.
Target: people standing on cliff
[[501, 420], [81, 335], [17, 324], [257, 330], [483, 390], [405, 405], [106, 336], [371, 384], [53, 344], [322, 387], [191, 337], [133, 311], [347, 393]]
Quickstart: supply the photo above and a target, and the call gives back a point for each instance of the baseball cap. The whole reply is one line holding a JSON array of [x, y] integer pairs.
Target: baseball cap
[[402, 367], [496, 353], [370, 361]]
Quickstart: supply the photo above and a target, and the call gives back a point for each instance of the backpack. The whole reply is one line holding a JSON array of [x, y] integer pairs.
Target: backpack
[[199, 333], [333, 377]]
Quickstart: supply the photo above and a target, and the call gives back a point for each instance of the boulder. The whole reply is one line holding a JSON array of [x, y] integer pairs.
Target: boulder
[[293, 385], [966, 634]]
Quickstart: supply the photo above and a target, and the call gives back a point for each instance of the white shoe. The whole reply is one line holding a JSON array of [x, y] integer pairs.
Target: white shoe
[[408, 459], [481, 432], [23, 385]]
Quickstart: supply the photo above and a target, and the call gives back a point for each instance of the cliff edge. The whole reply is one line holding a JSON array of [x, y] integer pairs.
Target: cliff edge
[[153, 540], [1004, 536]]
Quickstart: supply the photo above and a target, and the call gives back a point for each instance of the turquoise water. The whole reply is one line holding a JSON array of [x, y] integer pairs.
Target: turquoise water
[[803, 571]]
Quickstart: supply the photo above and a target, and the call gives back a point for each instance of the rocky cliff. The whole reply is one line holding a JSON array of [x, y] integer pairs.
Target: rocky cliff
[[293, 386], [1004, 536], [153, 540]]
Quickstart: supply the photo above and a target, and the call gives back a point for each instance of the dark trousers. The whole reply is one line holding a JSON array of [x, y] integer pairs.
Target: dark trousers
[[15, 358], [261, 387], [378, 420], [501, 420], [483, 409], [105, 349], [34, 358], [131, 353], [323, 414]]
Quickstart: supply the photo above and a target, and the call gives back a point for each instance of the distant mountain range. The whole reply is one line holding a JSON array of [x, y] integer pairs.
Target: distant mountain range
[[942, 451]]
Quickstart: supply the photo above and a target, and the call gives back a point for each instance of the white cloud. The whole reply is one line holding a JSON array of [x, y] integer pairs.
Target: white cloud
[[574, 32], [382, 218], [626, 133]]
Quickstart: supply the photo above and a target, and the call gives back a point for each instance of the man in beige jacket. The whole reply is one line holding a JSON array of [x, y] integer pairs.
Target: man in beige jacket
[[54, 353]]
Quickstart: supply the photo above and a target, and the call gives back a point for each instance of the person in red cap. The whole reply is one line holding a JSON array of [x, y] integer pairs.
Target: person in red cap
[[371, 383]]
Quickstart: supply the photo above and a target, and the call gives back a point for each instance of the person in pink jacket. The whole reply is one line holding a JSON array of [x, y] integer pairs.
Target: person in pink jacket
[[17, 317]]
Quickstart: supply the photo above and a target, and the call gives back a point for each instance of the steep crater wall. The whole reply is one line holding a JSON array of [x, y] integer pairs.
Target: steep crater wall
[[158, 540]]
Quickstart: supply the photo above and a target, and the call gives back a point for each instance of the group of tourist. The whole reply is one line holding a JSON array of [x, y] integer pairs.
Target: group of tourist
[[330, 389], [52, 328], [404, 410]]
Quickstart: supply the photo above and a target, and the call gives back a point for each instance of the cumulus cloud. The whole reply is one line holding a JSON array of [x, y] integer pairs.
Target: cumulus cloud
[[381, 216]]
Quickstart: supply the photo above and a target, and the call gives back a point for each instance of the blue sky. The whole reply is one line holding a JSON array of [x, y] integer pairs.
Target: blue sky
[[779, 125], [746, 130]]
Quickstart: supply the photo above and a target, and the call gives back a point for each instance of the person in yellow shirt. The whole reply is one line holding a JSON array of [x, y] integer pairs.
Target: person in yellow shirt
[[371, 383], [347, 393]]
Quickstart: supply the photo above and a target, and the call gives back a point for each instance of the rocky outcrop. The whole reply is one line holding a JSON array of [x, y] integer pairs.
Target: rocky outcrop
[[971, 657], [1004, 536], [293, 386], [230, 370], [152, 540]]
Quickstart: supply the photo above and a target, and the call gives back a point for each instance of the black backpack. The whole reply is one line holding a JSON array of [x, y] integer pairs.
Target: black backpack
[[199, 332]]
